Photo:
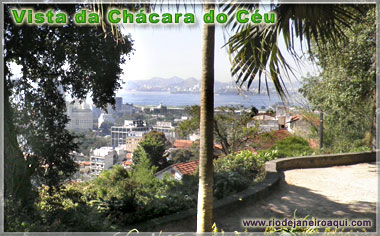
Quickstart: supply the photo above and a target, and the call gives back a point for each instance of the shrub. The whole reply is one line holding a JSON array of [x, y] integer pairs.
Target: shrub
[[235, 172], [66, 209], [291, 147]]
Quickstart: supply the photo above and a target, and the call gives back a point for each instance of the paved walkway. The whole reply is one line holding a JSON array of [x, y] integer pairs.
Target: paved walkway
[[336, 192]]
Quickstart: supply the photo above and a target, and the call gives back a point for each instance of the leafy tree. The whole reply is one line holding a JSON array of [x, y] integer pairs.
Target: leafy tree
[[143, 172], [184, 155], [345, 90], [112, 193], [74, 59], [230, 128], [152, 147], [91, 140], [186, 127]]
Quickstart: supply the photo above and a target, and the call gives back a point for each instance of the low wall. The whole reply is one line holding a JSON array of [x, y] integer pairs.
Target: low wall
[[274, 173], [319, 161]]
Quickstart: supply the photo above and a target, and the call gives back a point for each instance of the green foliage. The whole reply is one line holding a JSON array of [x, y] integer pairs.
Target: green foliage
[[345, 89], [254, 48], [187, 127], [230, 127], [77, 60], [292, 146], [235, 172], [117, 177], [91, 140], [66, 209], [118, 198], [184, 155], [226, 183], [143, 172], [153, 147]]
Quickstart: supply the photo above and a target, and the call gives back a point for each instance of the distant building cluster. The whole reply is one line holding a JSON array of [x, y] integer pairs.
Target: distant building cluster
[[126, 136], [268, 122]]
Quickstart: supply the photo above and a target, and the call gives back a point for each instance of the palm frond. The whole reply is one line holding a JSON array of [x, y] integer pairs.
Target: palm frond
[[254, 49]]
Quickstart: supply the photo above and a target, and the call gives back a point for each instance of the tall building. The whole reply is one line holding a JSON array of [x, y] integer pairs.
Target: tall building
[[80, 116], [132, 142], [131, 128]]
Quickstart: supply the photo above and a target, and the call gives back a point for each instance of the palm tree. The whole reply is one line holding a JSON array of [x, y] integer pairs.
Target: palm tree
[[255, 48], [206, 168]]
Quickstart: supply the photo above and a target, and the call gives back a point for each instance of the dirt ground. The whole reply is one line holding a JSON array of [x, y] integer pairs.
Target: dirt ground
[[342, 192]]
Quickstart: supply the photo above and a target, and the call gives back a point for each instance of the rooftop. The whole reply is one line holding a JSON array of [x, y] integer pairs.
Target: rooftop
[[103, 151], [187, 168], [180, 143]]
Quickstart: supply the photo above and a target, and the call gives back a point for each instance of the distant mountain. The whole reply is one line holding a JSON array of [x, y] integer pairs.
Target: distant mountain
[[177, 84]]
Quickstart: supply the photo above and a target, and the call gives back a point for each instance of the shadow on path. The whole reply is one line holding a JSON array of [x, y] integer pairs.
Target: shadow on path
[[344, 192], [285, 200], [281, 204]]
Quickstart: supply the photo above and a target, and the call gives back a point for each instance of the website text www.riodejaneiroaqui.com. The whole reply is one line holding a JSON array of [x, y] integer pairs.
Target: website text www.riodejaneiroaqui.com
[[292, 223]]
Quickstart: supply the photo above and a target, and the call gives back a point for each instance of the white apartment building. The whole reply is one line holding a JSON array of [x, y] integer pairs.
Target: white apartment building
[[102, 159], [80, 116], [131, 128]]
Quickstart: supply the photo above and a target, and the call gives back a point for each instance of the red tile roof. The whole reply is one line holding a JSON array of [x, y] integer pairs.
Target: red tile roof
[[187, 168], [183, 143], [128, 155], [85, 163]]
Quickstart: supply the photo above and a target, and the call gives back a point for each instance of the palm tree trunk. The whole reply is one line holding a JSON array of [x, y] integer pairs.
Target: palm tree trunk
[[206, 169]]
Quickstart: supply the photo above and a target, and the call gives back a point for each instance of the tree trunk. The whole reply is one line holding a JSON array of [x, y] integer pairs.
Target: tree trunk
[[206, 169], [17, 185], [372, 138]]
